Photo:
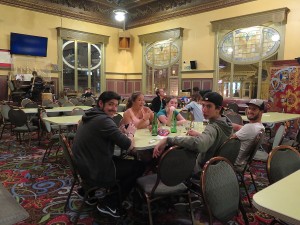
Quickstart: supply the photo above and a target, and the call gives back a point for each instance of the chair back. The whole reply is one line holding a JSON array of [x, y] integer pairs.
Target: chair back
[[89, 101], [117, 119], [31, 105], [74, 101], [67, 104], [121, 108], [61, 100], [280, 133], [50, 114], [11, 85], [234, 117], [47, 125], [4, 111], [77, 111], [220, 189], [229, 149], [17, 117], [252, 149], [46, 102], [25, 101], [282, 161], [175, 166], [69, 156], [233, 106]]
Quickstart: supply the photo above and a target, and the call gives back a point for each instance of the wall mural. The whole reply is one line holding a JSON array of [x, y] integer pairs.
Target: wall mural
[[284, 89]]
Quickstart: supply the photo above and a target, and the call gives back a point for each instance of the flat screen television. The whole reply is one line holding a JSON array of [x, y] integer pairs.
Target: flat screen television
[[23, 44]]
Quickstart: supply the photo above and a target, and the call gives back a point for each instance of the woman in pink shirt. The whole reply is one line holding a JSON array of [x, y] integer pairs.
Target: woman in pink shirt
[[137, 113]]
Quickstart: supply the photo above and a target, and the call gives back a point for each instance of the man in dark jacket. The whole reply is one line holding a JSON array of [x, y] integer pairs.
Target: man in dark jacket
[[158, 102], [93, 150], [206, 143]]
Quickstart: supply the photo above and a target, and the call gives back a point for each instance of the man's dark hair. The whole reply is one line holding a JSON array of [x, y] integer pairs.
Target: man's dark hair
[[107, 96]]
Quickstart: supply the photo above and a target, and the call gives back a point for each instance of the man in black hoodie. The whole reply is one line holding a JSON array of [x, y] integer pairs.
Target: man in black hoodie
[[93, 150]]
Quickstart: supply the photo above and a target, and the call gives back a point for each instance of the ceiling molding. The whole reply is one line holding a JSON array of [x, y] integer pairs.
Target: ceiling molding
[[140, 13], [275, 16]]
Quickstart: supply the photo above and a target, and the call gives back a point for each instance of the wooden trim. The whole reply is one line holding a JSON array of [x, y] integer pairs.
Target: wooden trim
[[65, 33], [116, 73], [197, 71], [161, 35], [275, 16]]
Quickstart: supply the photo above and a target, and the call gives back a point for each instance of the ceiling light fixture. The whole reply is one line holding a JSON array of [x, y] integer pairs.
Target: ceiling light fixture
[[120, 14]]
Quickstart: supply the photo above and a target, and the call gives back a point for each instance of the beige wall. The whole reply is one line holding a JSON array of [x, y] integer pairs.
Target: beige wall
[[198, 40]]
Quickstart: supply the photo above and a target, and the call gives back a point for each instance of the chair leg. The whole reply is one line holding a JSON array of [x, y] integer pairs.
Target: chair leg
[[253, 181], [77, 215], [69, 195], [48, 151], [149, 211], [248, 196], [191, 207], [2, 131], [243, 213]]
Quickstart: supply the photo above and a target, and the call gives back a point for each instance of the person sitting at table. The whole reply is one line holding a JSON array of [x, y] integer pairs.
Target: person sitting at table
[[88, 93], [165, 115], [158, 103], [218, 130], [249, 131], [93, 150], [137, 113], [195, 107]]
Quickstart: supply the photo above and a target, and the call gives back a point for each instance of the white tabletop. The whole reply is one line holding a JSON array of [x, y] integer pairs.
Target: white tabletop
[[276, 117], [144, 140], [63, 120], [56, 109], [281, 199]]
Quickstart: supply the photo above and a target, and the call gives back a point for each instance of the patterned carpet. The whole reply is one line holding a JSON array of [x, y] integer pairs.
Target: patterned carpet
[[42, 188]]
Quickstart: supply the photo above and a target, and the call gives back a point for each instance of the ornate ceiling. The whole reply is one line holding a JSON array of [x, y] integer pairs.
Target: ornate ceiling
[[140, 12]]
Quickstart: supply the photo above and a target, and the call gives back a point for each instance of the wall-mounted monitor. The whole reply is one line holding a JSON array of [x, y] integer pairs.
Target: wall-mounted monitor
[[23, 44]]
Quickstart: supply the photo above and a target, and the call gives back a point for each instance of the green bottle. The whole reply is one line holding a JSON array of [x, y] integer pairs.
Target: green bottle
[[174, 123], [154, 126]]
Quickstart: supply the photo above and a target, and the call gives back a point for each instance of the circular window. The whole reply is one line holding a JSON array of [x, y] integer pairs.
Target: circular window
[[162, 54], [249, 45], [69, 56]]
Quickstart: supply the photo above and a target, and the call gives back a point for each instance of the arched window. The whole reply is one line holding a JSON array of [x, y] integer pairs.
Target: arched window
[[81, 60], [161, 57], [245, 45]]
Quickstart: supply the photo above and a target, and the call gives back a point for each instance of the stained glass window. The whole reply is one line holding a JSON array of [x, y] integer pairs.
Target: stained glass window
[[162, 54], [249, 45]]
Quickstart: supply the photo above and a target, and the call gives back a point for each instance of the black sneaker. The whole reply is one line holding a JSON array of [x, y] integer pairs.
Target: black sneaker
[[80, 194], [109, 211]]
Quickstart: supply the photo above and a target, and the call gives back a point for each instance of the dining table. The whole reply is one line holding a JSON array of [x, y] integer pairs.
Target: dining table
[[144, 140], [281, 199], [56, 109], [276, 117]]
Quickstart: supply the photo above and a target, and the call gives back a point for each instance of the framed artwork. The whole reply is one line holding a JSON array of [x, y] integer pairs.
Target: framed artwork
[[5, 58]]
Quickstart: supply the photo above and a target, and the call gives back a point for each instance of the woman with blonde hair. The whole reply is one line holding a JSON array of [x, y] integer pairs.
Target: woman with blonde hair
[[137, 113]]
